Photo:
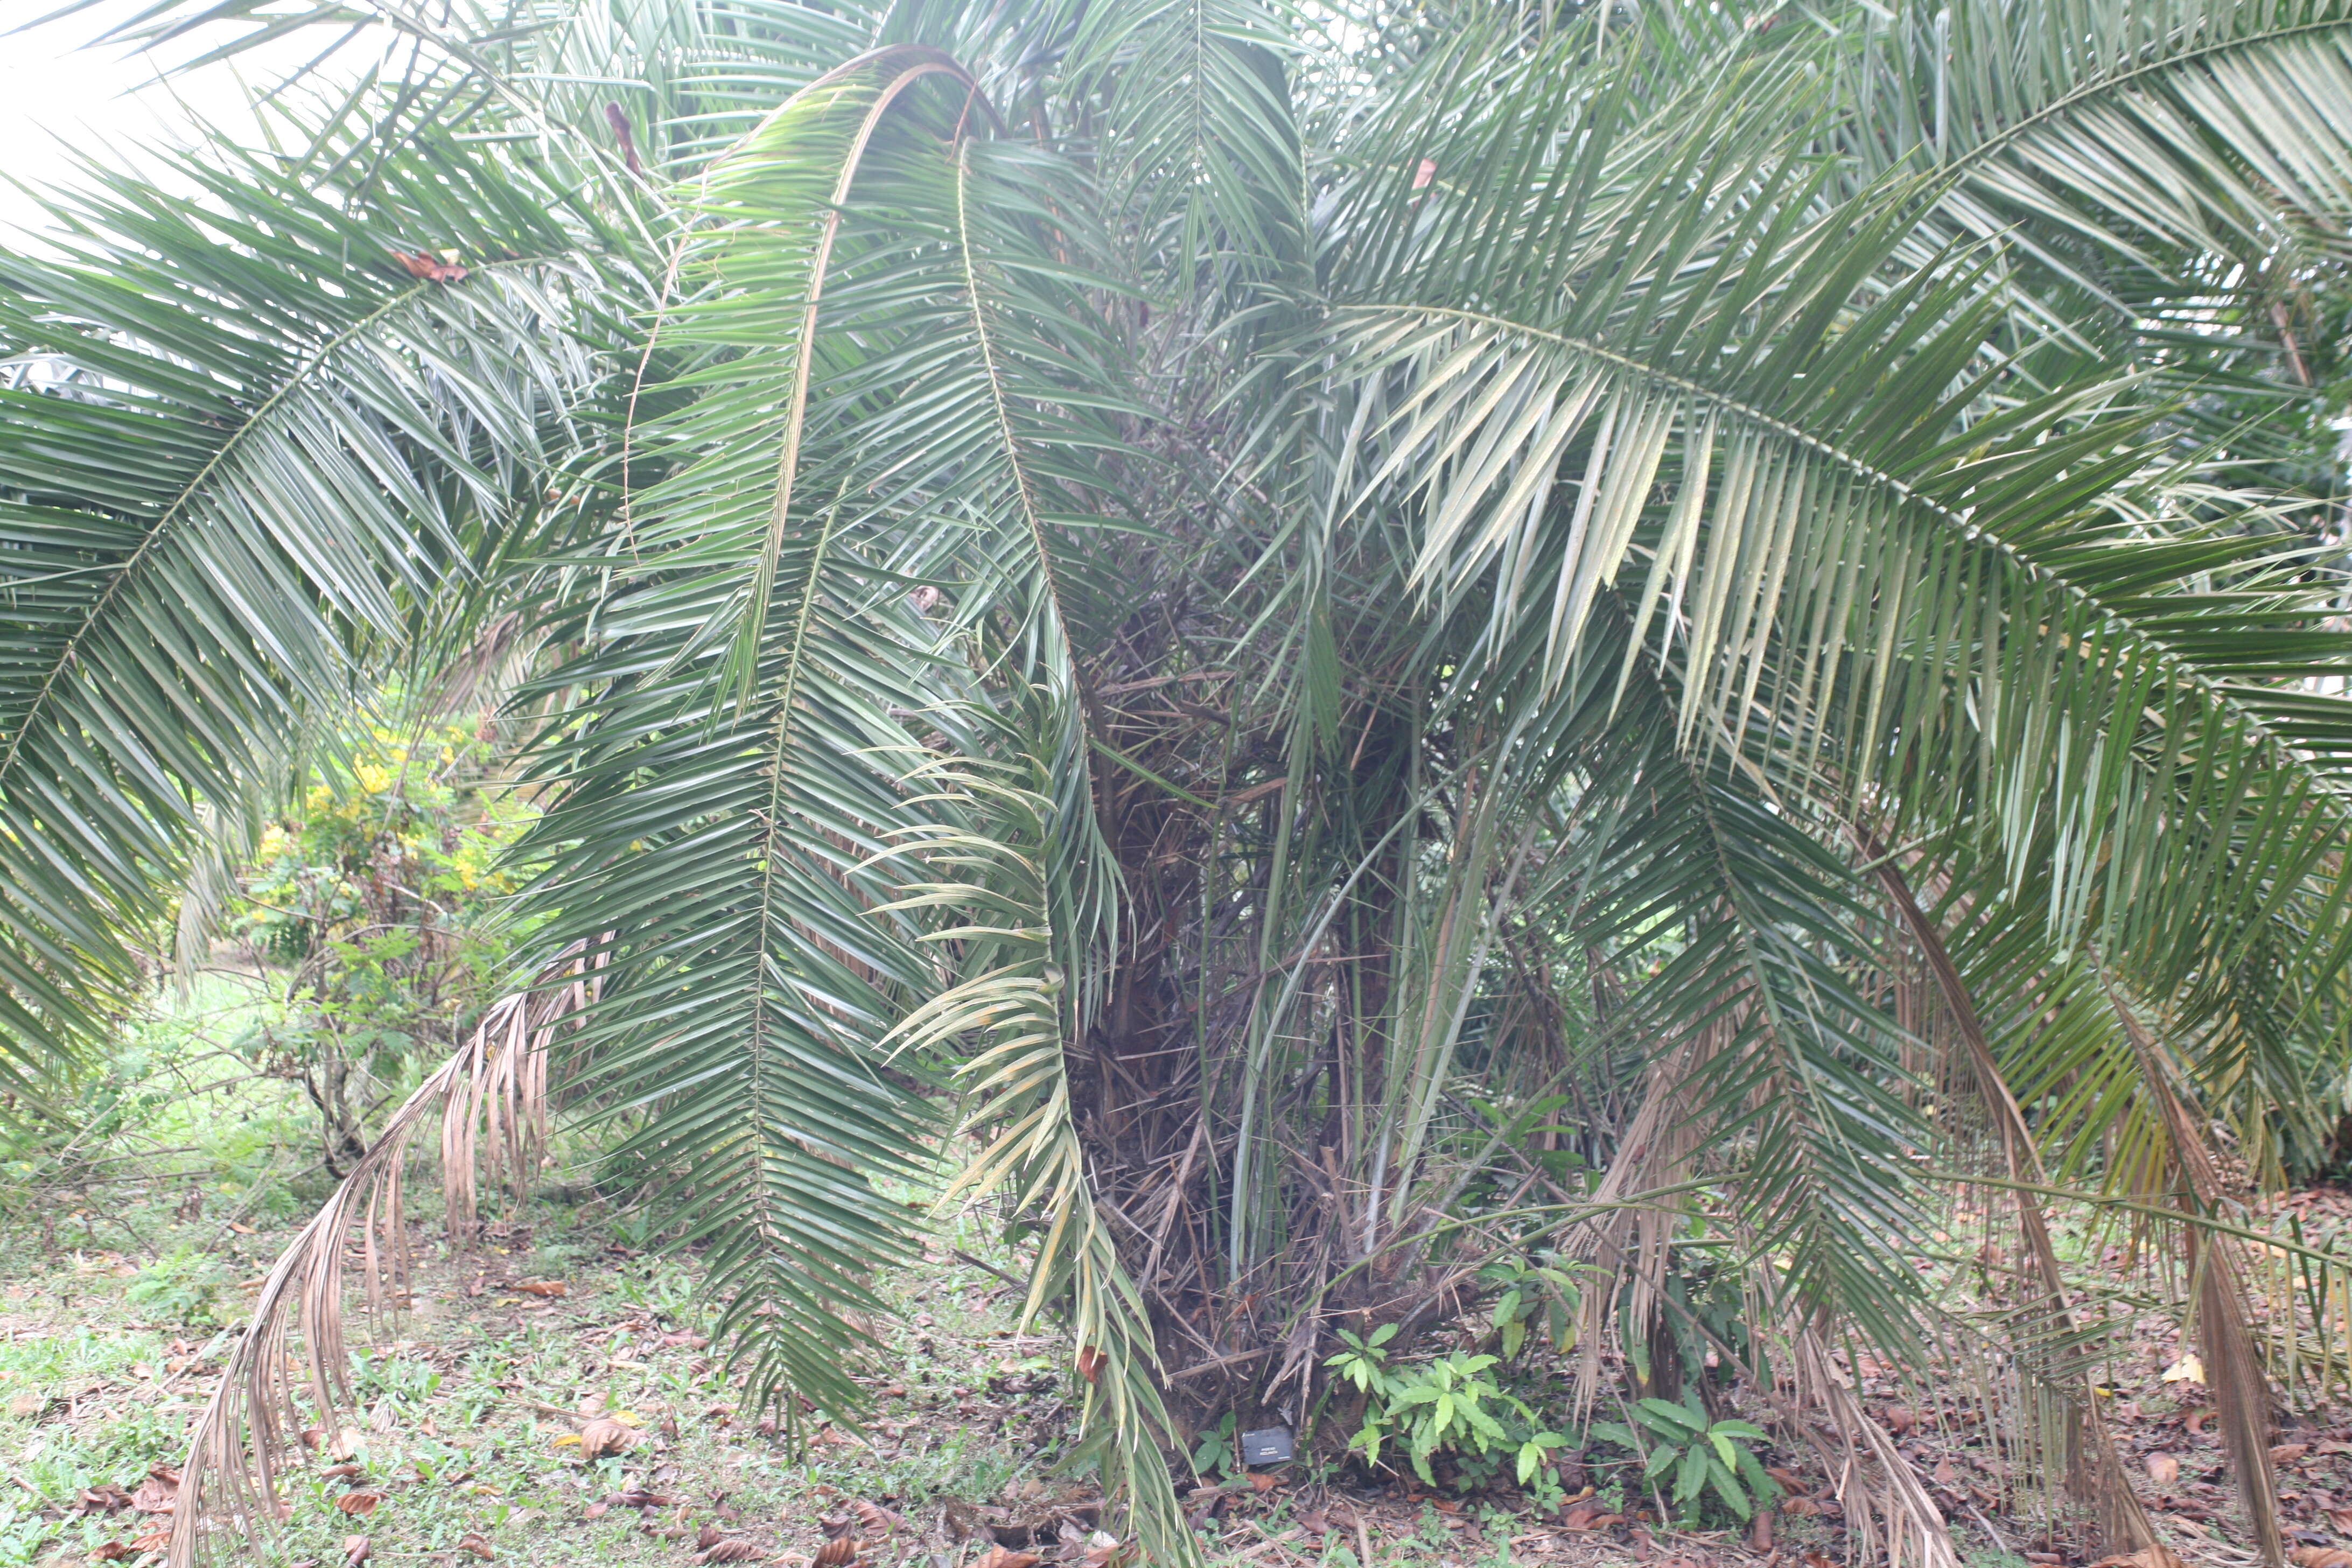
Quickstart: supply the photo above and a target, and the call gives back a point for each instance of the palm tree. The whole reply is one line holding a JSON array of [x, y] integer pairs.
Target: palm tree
[[1261, 592]]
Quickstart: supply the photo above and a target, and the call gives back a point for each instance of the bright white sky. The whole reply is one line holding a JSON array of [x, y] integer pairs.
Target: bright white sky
[[59, 100]]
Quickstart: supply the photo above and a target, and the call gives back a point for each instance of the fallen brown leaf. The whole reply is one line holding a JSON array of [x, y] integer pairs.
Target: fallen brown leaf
[[2341, 1517], [2320, 1557], [342, 1472], [541, 1287], [838, 1553], [153, 1540], [1005, 1557], [874, 1517], [1261, 1482], [157, 1493], [1945, 1475], [2288, 1453], [356, 1550], [2195, 1420], [2157, 1555], [313, 1435], [111, 1551], [1090, 1363], [359, 1505], [470, 1542], [2162, 1469], [605, 1436], [732, 1551], [1900, 1419], [711, 1536], [106, 1498]]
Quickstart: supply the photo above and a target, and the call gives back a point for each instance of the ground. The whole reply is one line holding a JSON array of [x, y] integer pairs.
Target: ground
[[468, 1437], [128, 1262]]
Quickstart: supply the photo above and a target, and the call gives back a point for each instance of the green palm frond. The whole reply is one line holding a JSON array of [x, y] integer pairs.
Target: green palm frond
[[1800, 1080], [1205, 162], [1020, 873], [245, 443], [1854, 518], [856, 433], [2186, 126]]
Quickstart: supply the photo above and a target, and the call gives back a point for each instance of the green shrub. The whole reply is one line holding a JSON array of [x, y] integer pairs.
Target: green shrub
[[1699, 1452], [1451, 1404], [184, 1288]]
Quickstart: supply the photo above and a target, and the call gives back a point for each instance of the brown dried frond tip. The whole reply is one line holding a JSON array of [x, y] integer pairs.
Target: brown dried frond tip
[[489, 1098]]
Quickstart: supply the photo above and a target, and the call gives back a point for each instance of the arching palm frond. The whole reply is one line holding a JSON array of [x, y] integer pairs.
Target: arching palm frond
[[1854, 523], [2189, 127], [1036, 874], [892, 427], [245, 439]]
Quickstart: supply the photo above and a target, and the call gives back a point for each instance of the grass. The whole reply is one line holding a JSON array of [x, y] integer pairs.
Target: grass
[[469, 1413], [129, 1246], [468, 1419]]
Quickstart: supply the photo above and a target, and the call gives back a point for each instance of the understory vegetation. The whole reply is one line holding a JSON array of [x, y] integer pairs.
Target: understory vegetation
[[134, 1263], [1297, 782]]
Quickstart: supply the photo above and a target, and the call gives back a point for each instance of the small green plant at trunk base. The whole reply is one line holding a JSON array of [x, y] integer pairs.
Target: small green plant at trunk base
[[1451, 1403], [1700, 1453]]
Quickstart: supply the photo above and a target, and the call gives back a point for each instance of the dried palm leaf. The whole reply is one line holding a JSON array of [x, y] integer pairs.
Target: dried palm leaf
[[2217, 1267], [2096, 1472], [1874, 1481], [492, 1097]]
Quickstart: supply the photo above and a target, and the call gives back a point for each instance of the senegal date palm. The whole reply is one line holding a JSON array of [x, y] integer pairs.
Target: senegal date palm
[[1257, 593]]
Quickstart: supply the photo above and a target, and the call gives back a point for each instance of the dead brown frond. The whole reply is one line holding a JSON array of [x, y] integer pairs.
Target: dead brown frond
[[492, 1096], [1892, 1518], [2218, 1271], [2095, 1472]]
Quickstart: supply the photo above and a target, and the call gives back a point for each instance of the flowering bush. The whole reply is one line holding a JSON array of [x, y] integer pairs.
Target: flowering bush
[[382, 899]]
